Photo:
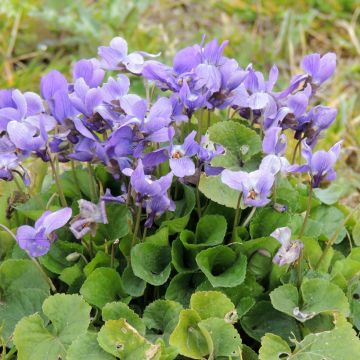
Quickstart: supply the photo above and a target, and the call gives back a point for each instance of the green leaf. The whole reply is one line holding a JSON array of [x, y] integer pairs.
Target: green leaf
[[72, 274], [356, 234], [21, 274], [240, 142], [285, 298], [182, 286], [86, 347], [69, 316], [118, 217], [213, 304], [18, 304], [210, 231], [183, 259], [132, 285], [339, 343], [324, 222], [273, 347], [223, 339], [151, 260], [120, 339], [332, 194], [318, 296], [103, 285], [187, 337], [180, 217], [266, 220], [101, 259], [119, 310], [162, 316], [214, 189], [222, 266], [263, 318], [6, 244], [55, 259]]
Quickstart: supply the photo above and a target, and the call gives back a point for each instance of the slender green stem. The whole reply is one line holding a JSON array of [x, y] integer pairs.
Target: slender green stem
[[299, 264], [114, 244], [251, 214], [236, 218], [50, 201], [76, 180], [137, 225], [92, 184], [198, 204], [295, 151], [200, 121], [57, 182], [335, 236], [10, 354], [144, 234], [302, 230], [208, 119]]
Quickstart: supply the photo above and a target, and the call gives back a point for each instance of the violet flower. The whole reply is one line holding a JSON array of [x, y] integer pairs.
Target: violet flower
[[319, 165], [36, 241], [255, 186], [290, 250], [89, 216], [180, 161], [319, 68], [54, 89], [89, 70], [116, 57], [274, 145]]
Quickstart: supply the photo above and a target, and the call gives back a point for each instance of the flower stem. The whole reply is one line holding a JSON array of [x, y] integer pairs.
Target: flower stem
[[236, 218], [57, 182], [251, 214], [295, 151], [137, 225], [198, 205], [114, 244], [76, 180], [301, 233], [335, 236], [302, 230], [92, 184]]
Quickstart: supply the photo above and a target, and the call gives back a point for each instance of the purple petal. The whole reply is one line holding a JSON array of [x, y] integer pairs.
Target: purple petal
[[34, 104], [51, 83], [182, 167], [311, 64], [186, 59], [56, 220], [327, 67], [233, 179]]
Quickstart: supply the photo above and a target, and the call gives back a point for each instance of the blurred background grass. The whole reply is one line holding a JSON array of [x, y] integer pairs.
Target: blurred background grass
[[36, 36]]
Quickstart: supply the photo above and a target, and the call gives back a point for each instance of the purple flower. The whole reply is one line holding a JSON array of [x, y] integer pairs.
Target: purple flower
[[274, 145], [319, 68], [89, 216], [150, 193], [18, 106], [89, 70], [36, 241], [54, 89], [290, 250], [32, 133], [255, 186], [319, 165], [116, 57], [319, 119], [181, 163]]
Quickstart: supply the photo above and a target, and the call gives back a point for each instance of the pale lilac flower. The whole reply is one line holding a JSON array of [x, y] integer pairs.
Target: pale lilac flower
[[274, 145], [290, 250], [89, 216], [89, 70], [319, 68], [255, 186], [116, 57], [36, 241], [319, 165]]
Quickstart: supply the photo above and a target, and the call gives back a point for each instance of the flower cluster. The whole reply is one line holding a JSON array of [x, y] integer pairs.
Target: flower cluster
[[95, 119]]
